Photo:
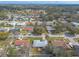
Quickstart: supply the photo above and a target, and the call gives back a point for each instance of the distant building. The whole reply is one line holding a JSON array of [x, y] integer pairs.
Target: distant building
[[28, 23], [14, 30], [14, 23], [28, 28]]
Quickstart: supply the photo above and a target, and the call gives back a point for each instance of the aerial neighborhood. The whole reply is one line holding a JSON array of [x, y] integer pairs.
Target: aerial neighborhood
[[39, 31]]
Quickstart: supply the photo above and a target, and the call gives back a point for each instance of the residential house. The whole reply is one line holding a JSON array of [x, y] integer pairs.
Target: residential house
[[25, 43], [60, 43], [28, 28], [40, 43], [37, 46], [50, 29], [20, 24], [21, 48], [3, 30]]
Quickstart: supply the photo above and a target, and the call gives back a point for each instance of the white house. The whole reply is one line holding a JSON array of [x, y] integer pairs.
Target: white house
[[40, 43]]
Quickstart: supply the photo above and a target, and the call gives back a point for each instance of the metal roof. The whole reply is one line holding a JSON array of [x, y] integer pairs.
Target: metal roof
[[39, 43]]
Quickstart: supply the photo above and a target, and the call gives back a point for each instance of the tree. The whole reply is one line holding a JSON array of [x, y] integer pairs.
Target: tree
[[70, 28], [58, 26], [59, 51], [12, 52], [4, 35], [48, 50], [3, 14], [39, 30]]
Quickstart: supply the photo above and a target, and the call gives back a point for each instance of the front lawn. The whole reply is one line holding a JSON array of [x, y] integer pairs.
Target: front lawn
[[58, 38], [49, 38], [31, 38], [77, 40]]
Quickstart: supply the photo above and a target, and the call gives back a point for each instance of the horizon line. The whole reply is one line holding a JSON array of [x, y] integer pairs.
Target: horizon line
[[39, 2]]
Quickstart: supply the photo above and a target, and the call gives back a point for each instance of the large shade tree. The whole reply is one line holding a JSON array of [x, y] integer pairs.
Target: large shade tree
[[4, 35]]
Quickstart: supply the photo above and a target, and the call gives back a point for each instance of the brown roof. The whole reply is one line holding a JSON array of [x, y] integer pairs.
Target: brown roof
[[59, 43]]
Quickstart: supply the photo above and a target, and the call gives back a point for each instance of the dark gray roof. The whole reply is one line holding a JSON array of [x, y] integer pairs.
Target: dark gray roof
[[1, 29]]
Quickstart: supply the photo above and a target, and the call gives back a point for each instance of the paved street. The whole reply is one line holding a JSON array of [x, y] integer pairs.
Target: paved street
[[77, 36]]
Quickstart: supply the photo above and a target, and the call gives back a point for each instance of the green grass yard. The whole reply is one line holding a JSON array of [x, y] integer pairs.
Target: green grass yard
[[50, 38], [58, 38], [77, 40]]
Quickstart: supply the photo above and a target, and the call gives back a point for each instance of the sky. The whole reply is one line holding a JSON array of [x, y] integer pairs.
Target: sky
[[39, 2]]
